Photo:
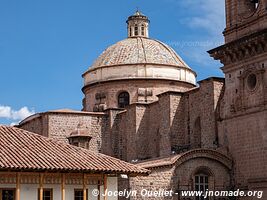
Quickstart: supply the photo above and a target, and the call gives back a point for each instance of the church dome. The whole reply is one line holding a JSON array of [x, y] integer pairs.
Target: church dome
[[139, 50], [139, 57]]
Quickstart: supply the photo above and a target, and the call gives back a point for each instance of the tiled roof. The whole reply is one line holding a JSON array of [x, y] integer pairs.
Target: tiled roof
[[23, 150], [139, 50]]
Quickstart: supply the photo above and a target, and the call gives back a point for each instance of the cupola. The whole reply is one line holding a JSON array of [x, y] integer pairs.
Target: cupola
[[138, 25]]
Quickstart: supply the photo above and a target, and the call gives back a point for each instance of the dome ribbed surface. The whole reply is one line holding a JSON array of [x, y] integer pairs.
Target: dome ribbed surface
[[139, 50]]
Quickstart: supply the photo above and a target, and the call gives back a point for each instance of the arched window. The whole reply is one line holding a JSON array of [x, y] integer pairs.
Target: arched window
[[136, 30], [201, 184], [123, 99]]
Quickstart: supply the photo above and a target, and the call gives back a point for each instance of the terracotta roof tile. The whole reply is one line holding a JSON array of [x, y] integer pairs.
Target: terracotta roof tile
[[23, 150]]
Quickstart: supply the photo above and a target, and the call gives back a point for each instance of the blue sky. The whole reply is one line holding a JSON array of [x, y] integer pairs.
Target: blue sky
[[45, 46]]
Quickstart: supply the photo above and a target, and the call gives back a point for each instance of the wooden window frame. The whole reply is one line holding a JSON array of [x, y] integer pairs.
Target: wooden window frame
[[204, 184], [1, 192], [46, 189], [80, 190]]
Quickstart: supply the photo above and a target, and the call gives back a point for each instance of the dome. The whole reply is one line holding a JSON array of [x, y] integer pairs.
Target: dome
[[135, 70], [139, 50], [139, 57]]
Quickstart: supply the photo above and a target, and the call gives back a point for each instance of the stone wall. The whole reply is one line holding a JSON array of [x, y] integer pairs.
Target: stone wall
[[181, 177], [219, 175], [139, 90], [59, 125], [245, 138], [242, 20], [38, 123], [167, 126], [143, 130], [202, 104], [160, 179]]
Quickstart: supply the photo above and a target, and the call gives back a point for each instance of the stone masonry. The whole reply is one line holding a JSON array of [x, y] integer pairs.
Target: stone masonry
[[142, 105]]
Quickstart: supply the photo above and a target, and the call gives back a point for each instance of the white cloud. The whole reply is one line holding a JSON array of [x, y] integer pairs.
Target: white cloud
[[14, 123], [5, 112], [8, 113], [206, 14], [206, 18]]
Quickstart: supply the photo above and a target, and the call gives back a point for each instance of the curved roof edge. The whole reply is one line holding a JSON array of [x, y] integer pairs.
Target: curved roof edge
[[192, 154]]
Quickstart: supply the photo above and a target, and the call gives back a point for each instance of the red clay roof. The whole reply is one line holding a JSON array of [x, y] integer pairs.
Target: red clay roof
[[23, 150]]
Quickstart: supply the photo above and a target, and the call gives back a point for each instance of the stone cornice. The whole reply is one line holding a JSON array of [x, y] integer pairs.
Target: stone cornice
[[92, 69], [134, 79], [241, 49], [181, 158]]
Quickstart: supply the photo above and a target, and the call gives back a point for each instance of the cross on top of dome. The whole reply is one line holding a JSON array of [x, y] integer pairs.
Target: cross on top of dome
[[138, 13]]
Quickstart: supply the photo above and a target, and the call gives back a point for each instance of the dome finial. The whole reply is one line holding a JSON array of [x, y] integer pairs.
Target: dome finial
[[138, 25], [137, 12]]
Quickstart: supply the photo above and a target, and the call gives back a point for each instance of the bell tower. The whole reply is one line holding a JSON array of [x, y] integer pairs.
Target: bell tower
[[243, 108], [244, 17]]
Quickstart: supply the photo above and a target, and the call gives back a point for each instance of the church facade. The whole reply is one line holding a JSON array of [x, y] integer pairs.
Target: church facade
[[142, 104]]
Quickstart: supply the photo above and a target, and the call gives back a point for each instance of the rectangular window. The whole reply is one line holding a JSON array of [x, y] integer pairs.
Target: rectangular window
[[78, 194], [143, 31], [7, 194], [201, 184], [47, 194], [136, 30], [130, 31]]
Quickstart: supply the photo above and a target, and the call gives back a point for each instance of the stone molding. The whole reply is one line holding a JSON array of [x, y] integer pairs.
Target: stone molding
[[241, 49]]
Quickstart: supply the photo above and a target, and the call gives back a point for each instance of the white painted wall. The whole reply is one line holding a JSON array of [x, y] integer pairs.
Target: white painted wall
[[140, 71], [112, 186], [29, 191]]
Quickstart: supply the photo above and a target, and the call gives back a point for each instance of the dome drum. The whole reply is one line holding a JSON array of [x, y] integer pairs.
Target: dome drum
[[139, 71], [139, 90]]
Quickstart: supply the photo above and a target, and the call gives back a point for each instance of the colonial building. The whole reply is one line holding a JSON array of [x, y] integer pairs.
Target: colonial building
[[142, 105], [33, 167]]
